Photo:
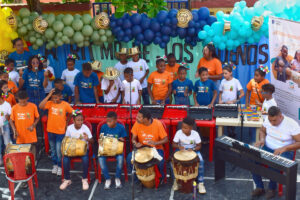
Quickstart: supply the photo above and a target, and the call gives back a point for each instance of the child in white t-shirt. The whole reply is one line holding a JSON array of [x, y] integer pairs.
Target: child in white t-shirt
[[131, 86], [111, 85], [189, 140], [267, 93], [140, 71], [13, 75], [229, 89], [68, 75], [122, 64], [5, 111], [81, 131]]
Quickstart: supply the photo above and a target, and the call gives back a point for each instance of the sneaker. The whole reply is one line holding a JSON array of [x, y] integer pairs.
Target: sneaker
[[201, 188], [118, 183], [107, 184], [85, 184], [175, 185], [65, 184], [258, 192], [54, 169], [59, 171], [270, 194]]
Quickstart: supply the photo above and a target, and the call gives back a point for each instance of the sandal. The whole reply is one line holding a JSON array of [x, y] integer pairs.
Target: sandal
[[85, 184], [65, 184]]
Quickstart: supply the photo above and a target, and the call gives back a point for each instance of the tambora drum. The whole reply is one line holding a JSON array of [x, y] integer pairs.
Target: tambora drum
[[109, 146], [17, 148], [185, 166], [73, 147]]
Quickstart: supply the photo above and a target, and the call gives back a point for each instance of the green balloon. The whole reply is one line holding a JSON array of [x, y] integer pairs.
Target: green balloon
[[86, 43], [59, 34], [103, 38], [102, 32], [29, 27], [87, 30], [50, 19], [77, 16], [32, 39], [39, 42], [26, 38], [78, 37], [34, 14], [86, 18], [68, 31], [48, 46], [25, 21], [77, 24], [108, 33], [49, 34], [80, 44], [59, 42], [51, 43], [24, 12], [35, 47], [32, 33], [94, 25], [95, 36], [58, 26], [67, 19], [23, 30], [64, 38], [59, 17], [110, 39], [45, 16]]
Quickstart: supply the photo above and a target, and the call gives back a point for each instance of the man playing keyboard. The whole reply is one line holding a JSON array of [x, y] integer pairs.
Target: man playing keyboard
[[279, 135]]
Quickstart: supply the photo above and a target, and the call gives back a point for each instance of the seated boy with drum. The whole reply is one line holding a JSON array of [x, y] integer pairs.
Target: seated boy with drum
[[116, 130], [77, 130], [188, 139]]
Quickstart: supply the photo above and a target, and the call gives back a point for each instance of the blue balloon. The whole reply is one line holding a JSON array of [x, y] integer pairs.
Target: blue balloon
[[128, 32], [167, 22], [222, 46], [145, 42], [140, 37], [143, 15], [181, 32], [206, 28], [188, 39], [162, 45], [126, 39], [137, 43], [136, 29], [146, 23], [165, 39], [161, 16], [173, 34], [202, 35], [136, 19], [192, 23], [191, 32], [203, 13], [172, 13], [174, 21], [158, 34], [112, 18], [202, 23], [211, 20], [155, 26], [126, 24], [193, 43], [195, 15], [148, 35], [126, 16], [120, 22], [174, 26], [119, 38], [166, 30], [157, 40], [121, 33], [113, 24], [197, 25]]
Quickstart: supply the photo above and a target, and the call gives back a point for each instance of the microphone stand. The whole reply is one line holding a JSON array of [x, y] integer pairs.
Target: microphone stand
[[242, 119], [133, 153]]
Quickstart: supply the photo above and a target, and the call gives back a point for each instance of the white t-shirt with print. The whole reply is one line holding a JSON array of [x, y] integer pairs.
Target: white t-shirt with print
[[135, 88], [120, 67], [68, 77], [139, 70], [266, 105], [76, 133], [113, 90], [49, 86], [188, 142], [5, 109], [281, 135], [14, 76], [229, 89]]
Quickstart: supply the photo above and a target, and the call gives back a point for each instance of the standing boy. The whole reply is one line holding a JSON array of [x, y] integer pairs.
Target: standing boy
[[131, 88]]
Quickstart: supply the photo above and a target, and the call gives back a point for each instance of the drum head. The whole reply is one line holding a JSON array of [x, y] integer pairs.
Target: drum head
[[144, 155], [185, 155]]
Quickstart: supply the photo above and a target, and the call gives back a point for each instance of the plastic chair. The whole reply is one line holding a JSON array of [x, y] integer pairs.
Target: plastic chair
[[78, 159], [280, 188], [112, 159], [19, 174], [46, 139]]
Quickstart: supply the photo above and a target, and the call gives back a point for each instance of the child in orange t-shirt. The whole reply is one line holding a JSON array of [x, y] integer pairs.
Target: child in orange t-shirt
[[11, 85], [23, 120], [161, 82], [8, 96], [254, 87], [56, 125], [172, 67]]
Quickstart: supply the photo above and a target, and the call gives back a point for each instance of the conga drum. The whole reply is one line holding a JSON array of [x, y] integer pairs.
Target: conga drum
[[17, 148], [144, 162], [185, 166], [73, 147], [110, 146]]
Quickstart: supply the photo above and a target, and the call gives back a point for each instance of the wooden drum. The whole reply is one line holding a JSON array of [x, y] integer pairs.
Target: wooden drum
[[73, 147], [109, 146], [185, 166]]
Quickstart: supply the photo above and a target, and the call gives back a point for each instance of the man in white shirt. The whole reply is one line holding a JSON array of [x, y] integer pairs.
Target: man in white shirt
[[131, 88], [279, 135]]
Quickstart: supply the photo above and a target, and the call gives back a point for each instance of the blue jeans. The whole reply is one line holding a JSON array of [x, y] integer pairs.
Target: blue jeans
[[145, 96], [101, 99], [85, 165], [272, 184], [160, 165], [182, 100], [167, 101], [252, 135], [55, 147], [102, 162], [5, 137]]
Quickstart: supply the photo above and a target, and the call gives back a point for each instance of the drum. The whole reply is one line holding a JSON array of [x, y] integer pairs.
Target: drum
[[15, 148], [144, 164], [109, 146], [185, 166], [73, 147]]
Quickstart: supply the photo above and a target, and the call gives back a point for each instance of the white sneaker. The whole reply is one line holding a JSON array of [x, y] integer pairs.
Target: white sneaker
[[201, 188], [107, 184], [118, 183], [54, 169], [59, 171]]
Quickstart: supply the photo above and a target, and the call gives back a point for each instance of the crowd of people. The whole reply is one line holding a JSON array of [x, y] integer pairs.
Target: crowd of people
[[27, 92]]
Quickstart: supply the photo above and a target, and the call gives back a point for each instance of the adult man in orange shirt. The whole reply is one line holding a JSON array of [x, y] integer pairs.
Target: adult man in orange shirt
[[148, 132]]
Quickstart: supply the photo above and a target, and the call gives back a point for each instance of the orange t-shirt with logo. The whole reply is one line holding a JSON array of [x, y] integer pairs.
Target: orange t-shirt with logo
[[12, 87], [24, 117], [100, 92], [160, 84], [11, 99], [214, 66], [57, 118], [255, 87], [154, 132], [173, 70]]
